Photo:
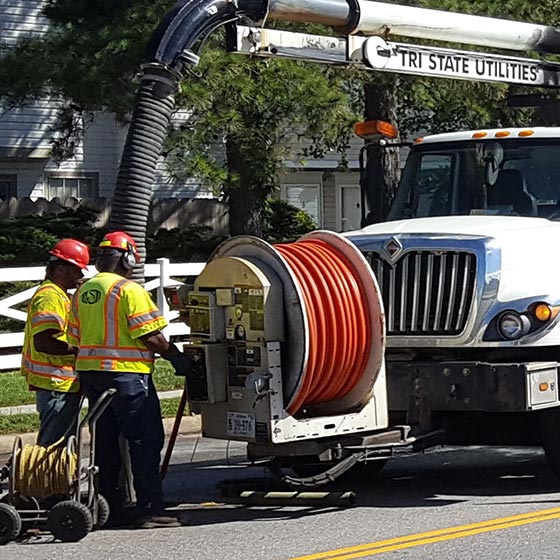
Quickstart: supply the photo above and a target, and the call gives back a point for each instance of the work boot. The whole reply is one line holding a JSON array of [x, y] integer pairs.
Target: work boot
[[122, 518], [157, 521]]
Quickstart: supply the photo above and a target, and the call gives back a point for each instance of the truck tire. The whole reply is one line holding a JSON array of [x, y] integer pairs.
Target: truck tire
[[549, 427]]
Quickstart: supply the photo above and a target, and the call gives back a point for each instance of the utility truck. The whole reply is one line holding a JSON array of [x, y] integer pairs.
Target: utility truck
[[441, 325]]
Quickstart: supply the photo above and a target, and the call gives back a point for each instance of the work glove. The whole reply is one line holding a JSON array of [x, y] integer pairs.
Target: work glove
[[182, 364]]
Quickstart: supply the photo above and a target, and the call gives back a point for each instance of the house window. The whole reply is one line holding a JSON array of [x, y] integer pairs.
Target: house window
[[305, 197], [83, 185], [8, 186]]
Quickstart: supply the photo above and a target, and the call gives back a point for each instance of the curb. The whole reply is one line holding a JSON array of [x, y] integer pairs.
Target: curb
[[30, 408]]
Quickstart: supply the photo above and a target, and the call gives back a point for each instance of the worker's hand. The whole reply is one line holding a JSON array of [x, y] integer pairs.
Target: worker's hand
[[181, 363]]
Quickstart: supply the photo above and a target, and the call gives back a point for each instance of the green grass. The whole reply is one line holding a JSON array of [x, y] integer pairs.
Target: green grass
[[22, 423], [14, 391], [19, 423]]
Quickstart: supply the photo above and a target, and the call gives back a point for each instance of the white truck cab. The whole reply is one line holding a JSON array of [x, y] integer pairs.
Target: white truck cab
[[471, 284]]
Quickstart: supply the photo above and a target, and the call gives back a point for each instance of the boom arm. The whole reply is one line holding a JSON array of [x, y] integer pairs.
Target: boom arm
[[377, 54]]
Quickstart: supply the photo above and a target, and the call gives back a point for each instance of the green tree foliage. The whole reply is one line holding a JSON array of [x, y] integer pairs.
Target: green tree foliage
[[195, 244], [27, 240], [258, 108], [441, 105], [284, 222]]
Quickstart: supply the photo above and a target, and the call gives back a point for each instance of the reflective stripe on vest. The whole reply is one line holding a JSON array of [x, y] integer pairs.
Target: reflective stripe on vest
[[48, 370], [72, 330], [136, 321], [111, 338], [104, 352], [42, 318]]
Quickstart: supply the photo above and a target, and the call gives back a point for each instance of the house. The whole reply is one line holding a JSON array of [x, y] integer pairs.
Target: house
[[331, 197]]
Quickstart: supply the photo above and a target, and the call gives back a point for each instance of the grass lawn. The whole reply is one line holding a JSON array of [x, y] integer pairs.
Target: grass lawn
[[14, 392]]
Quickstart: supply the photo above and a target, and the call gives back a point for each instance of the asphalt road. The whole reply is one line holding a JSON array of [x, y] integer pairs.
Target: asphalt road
[[483, 503]]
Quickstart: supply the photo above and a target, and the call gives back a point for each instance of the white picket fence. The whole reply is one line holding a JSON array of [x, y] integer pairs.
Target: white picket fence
[[158, 276]]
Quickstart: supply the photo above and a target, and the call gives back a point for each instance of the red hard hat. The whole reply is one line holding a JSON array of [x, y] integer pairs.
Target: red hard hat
[[121, 240], [72, 251]]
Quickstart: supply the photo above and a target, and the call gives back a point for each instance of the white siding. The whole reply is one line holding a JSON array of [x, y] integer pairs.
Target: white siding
[[20, 19], [25, 129], [28, 131], [293, 158]]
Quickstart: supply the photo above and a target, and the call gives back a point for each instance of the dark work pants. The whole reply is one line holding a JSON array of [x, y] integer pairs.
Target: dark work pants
[[58, 415], [135, 412]]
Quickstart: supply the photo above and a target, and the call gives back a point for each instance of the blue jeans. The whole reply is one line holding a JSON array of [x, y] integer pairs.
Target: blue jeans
[[135, 412], [58, 415]]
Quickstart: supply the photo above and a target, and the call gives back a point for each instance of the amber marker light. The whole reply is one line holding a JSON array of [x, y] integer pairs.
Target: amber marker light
[[480, 134], [526, 133], [502, 134], [543, 386], [419, 140], [543, 312], [369, 130]]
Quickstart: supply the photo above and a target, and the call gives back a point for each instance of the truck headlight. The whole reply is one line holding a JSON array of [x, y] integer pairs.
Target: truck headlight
[[512, 325]]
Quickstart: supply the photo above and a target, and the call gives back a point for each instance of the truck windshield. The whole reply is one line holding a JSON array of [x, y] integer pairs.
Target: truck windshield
[[519, 176]]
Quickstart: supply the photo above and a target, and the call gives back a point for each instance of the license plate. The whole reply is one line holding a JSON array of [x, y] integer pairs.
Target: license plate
[[239, 424]]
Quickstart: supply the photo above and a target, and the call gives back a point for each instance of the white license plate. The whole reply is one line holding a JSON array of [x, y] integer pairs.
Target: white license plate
[[239, 424]]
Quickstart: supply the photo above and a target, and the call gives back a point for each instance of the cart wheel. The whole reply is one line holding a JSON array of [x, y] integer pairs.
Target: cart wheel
[[69, 521], [103, 511], [10, 523]]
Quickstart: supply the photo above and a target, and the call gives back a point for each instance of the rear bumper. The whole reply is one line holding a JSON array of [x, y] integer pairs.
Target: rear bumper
[[472, 386]]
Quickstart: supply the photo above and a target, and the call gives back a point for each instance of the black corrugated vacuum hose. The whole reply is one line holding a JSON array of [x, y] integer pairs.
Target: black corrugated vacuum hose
[[169, 50]]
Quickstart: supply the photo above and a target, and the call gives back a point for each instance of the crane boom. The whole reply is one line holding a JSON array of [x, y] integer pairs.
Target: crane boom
[[377, 54]]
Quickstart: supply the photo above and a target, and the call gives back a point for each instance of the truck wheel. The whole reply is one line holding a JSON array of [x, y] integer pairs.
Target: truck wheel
[[549, 426], [10, 523], [69, 521]]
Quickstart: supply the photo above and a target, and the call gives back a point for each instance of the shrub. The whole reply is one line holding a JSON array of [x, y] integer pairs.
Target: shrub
[[284, 222]]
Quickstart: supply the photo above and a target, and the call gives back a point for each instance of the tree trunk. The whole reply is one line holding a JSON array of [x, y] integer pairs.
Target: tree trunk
[[382, 171], [245, 198]]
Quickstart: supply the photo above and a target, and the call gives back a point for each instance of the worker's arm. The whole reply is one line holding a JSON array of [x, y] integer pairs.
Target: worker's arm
[[46, 342], [156, 342]]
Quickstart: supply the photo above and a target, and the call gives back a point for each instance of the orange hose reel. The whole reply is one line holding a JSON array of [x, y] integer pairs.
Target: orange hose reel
[[339, 322]]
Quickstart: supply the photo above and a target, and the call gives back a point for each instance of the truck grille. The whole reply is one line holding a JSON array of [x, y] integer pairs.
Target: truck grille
[[426, 292]]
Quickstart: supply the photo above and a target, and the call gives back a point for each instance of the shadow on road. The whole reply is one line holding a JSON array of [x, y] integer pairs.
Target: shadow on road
[[438, 478]]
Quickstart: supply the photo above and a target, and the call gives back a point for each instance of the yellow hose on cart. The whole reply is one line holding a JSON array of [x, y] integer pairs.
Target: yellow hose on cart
[[39, 471]]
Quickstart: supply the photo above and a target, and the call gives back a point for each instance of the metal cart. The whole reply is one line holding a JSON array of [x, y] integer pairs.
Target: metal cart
[[71, 515]]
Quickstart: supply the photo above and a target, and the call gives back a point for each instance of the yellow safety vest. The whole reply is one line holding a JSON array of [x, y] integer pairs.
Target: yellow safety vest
[[109, 315], [49, 308]]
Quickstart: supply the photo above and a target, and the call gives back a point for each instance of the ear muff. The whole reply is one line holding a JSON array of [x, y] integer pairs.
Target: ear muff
[[128, 259]]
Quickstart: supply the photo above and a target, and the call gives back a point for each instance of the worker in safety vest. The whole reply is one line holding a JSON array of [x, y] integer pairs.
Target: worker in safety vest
[[116, 326], [47, 357]]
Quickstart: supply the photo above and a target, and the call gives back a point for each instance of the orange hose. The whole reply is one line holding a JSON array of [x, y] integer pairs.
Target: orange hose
[[338, 319]]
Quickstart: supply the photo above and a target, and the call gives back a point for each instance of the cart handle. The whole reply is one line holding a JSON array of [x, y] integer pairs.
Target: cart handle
[[98, 408]]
